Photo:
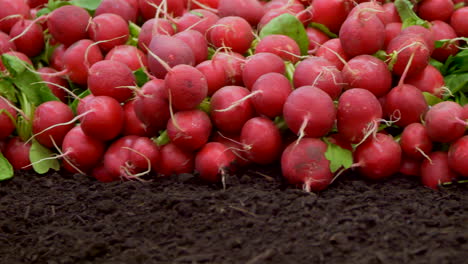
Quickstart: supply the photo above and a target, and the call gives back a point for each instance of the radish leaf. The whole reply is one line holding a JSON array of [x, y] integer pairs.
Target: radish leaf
[[42, 158], [140, 77], [90, 5], [324, 29], [431, 99], [338, 157], [408, 16], [7, 90], [288, 25], [6, 170]]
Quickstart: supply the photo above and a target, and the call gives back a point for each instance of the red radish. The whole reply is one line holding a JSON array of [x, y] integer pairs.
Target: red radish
[[391, 31], [27, 37], [281, 45], [435, 170], [331, 13], [316, 39], [362, 33], [405, 104], [459, 22], [17, 153], [52, 122], [435, 9], [213, 161], [303, 163], [465, 113], [233, 144], [368, 72], [429, 80], [228, 113], [189, 130], [171, 50], [151, 28], [109, 30], [197, 42], [458, 156], [410, 167], [56, 58], [319, 72], [233, 63], [272, 91], [127, 9], [132, 124], [7, 118], [415, 142], [78, 58], [5, 43], [104, 118], [10, 12], [444, 122], [264, 149], [81, 151], [309, 111], [200, 20], [214, 74], [390, 14], [442, 30], [333, 52], [250, 10], [174, 160], [409, 47], [17, 54], [260, 64], [422, 32], [66, 30], [204, 3], [111, 78], [130, 157], [129, 55], [102, 174], [152, 105], [148, 9], [54, 82], [232, 32], [36, 3], [358, 116], [378, 157]]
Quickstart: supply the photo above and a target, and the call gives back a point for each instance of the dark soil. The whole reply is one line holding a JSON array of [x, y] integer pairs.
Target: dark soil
[[257, 219]]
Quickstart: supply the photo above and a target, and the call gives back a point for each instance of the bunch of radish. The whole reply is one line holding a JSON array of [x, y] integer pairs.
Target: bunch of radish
[[119, 89]]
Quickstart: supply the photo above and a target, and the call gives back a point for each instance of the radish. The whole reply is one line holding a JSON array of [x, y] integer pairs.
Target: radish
[[303, 163], [408, 47], [316, 39], [152, 105], [197, 42], [333, 52], [405, 104], [265, 149], [319, 72], [410, 167], [214, 74], [204, 4], [281, 45], [200, 20], [132, 124], [36, 3], [442, 30], [233, 32], [129, 55], [458, 156], [358, 116], [5, 43], [436, 9], [459, 23], [430, 80], [174, 160], [127, 9], [148, 8], [378, 157], [331, 13], [104, 118], [56, 58], [309, 111], [151, 28], [231, 108], [54, 82], [81, 152], [415, 142], [52, 122], [111, 78], [435, 170], [260, 64], [66, 30], [271, 92], [444, 122], [213, 161], [78, 58], [390, 14], [101, 174], [171, 50], [250, 10], [27, 37], [17, 153], [233, 144], [109, 30], [422, 32], [391, 31], [368, 72], [189, 130], [233, 63], [11, 11], [7, 118]]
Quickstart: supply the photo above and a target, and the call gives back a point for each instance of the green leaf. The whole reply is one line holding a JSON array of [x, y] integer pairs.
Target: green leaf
[[205, 105], [290, 70], [338, 157], [13, 64], [457, 82], [140, 77], [42, 158], [6, 170], [46, 53], [408, 16], [134, 29], [163, 139], [288, 25], [431, 99], [7, 90], [381, 55], [462, 99], [90, 5], [442, 42], [29, 84], [324, 29], [437, 64]]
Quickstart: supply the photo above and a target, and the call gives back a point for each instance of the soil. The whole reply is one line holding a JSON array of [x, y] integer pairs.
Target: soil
[[257, 219]]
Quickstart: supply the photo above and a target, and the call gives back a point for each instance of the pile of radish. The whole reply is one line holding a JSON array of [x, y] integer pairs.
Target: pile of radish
[[120, 89]]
